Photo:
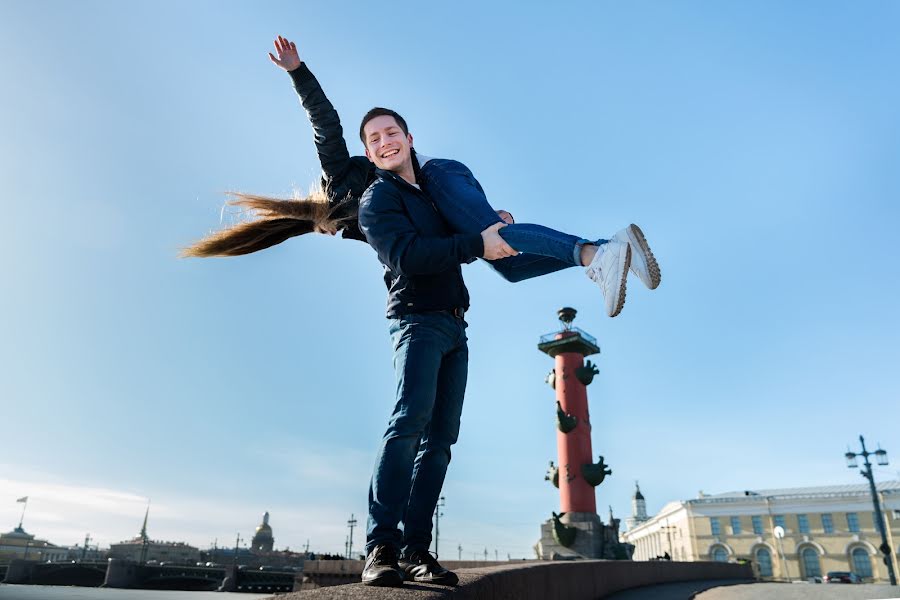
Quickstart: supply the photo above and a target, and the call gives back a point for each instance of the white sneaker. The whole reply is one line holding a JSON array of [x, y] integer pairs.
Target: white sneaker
[[643, 263], [609, 269]]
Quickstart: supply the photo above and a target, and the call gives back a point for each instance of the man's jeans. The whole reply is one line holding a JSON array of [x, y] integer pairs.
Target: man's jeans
[[431, 361], [461, 201]]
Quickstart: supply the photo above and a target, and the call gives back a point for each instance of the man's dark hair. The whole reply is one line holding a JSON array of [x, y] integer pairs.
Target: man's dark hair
[[381, 112]]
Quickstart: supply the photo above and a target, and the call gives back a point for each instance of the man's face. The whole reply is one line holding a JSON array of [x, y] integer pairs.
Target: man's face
[[386, 144]]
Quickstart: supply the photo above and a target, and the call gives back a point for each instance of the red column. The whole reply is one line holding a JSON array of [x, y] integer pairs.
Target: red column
[[575, 494]]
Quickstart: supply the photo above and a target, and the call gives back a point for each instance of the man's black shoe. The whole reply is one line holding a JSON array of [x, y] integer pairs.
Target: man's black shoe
[[421, 566], [382, 568]]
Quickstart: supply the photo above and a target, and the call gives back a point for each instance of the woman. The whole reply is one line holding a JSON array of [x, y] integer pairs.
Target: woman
[[529, 250]]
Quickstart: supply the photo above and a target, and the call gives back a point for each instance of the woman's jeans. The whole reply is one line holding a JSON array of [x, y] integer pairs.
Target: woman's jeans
[[461, 201], [431, 361]]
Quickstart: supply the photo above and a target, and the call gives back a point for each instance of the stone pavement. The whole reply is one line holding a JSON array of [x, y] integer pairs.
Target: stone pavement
[[801, 591], [686, 590], [550, 580]]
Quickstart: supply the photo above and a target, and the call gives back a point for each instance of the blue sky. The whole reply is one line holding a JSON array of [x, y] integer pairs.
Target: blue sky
[[756, 144]]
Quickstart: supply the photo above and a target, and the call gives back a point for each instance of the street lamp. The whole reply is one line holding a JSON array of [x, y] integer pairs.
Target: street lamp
[[351, 523], [237, 544], [442, 502], [881, 458]]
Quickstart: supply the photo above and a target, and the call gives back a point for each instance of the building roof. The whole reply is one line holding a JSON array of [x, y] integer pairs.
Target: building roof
[[19, 537], [139, 542], [637, 494], [17, 533], [821, 490]]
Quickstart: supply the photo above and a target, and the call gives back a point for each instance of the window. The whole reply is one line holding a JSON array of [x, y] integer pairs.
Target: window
[[810, 560], [802, 524], [862, 566], [764, 560], [719, 554], [735, 525], [827, 523], [714, 526], [757, 524], [779, 521], [853, 522]]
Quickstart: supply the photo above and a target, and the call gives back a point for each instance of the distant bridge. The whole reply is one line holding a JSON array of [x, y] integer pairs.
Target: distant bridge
[[126, 574]]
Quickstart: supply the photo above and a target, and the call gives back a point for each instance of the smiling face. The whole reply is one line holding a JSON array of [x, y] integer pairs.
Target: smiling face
[[387, 145]]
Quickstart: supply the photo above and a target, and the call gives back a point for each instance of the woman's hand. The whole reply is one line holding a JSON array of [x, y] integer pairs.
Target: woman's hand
[[506, 217], [288, 59]]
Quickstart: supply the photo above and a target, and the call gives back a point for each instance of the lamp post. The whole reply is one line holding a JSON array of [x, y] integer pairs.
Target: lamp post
[[442, 502], [881, 458], [778, 534], [351, 523], [237, 544]]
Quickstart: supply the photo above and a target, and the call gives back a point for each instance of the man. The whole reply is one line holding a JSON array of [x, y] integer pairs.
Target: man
[[427, 301]]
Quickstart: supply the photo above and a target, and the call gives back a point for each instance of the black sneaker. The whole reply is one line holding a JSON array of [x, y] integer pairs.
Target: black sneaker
[[381, 567], [421, 566]]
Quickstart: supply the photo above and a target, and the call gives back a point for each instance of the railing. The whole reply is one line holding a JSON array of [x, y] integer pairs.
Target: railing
[[561, 335]]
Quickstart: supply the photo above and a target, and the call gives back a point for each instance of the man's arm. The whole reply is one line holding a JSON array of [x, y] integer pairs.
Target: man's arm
[[388, 229], [329, 135]]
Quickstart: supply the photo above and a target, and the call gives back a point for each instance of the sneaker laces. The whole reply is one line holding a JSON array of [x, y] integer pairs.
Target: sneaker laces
[[384, 555], [425, 556], [594, 270]]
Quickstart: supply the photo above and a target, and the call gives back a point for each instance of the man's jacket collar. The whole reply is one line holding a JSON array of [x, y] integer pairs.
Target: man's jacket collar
[[390, 175]]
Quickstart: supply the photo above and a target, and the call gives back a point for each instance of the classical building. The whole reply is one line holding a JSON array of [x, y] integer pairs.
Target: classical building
[[260, 553], [20, 544], [262, 539], [142, 549], [828, 528]]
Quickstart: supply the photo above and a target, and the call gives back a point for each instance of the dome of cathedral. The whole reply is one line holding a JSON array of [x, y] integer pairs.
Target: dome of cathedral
[[264, 530], [262, 539]]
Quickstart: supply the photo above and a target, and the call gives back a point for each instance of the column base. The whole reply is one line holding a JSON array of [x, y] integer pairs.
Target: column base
[[593, 540]]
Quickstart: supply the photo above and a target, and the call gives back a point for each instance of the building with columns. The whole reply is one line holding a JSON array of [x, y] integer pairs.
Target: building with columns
[[18, 543], [827, 528], [142, 549]]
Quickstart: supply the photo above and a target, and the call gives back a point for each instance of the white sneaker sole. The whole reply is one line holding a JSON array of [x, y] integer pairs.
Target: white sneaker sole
[[637, 241], [623, 266]]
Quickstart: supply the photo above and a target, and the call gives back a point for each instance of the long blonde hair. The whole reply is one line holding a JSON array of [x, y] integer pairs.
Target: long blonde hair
[[273, 221]]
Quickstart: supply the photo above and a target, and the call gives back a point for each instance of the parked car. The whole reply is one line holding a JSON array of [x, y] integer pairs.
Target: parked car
[[842, 577]]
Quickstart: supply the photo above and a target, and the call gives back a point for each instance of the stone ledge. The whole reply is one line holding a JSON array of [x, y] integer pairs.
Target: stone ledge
[[576, 580]]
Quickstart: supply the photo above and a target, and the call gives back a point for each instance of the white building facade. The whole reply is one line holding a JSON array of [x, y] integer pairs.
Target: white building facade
[[828, 528]]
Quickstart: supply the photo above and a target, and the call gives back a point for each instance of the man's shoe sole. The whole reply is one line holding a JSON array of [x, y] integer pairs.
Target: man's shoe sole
[[639, 242], [389, 579], [450, 579], [623, 281]]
